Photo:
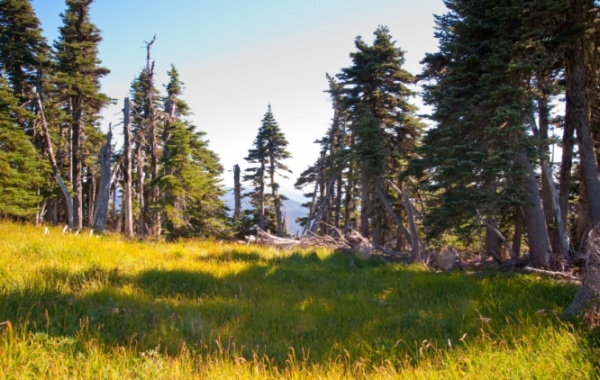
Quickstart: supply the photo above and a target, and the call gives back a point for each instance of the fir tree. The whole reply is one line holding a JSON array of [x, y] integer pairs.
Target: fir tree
[[21, 170], [384, 125], [77, 75], [269, 151], [23, 49], [190, 184]]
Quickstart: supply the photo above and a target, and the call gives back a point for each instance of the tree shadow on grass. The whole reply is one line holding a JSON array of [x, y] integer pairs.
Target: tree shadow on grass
[[299, 301]]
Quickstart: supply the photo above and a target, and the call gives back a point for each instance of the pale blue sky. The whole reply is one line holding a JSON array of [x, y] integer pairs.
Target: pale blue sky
[[236, 57]]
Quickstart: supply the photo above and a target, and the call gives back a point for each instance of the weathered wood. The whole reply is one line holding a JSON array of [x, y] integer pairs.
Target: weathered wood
[[51, 157], [415, 241], [237, 194], [500, 236], [552, 274], [101, 214], [127, 175]]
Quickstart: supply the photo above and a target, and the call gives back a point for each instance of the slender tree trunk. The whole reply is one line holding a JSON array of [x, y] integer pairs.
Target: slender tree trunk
[[101, 214], [276, 199], [516, 245], [50, 151], [537, 232], [126, 205], [76, 130], [415, 241], [492, 243], [566, 165], [365, 206], [237, 194], [261, 197]]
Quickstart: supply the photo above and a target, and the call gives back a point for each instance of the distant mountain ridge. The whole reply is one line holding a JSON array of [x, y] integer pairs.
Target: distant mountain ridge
[[292, 209]]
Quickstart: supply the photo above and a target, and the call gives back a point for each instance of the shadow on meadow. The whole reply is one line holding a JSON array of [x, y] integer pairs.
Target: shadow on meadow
[[320, 307]]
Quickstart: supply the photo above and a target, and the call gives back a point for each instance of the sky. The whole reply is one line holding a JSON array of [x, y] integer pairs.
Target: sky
[[238, 56]]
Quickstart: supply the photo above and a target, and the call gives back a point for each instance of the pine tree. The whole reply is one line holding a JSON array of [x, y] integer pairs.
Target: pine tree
[[269, 151], [77, 76]]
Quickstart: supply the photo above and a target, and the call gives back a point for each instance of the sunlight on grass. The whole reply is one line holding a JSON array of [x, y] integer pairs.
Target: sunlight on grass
[[103, 307]]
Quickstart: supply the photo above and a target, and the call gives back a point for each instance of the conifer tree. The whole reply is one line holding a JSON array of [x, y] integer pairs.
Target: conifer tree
[[77, 76], [384, 125], [269, 151], [189, 183], [21, 170], [23, 49]]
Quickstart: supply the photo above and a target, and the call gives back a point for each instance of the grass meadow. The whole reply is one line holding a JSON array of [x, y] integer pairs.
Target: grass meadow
[[107, 308]]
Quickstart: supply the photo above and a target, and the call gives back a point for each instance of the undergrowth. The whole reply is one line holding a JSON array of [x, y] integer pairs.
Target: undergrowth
[[103, 307]]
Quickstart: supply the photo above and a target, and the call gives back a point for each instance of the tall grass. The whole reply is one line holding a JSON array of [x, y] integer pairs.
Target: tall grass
[[88, 307]]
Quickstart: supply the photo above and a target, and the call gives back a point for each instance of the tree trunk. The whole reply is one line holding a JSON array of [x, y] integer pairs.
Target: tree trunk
[[276, 199], [579, 117], [492, 243], [101, 214], [537, 232], [50, 151], [261, 197], [365, 199], [126, 205], [516, 245], [237, 194], [415, 241], [76, 129]]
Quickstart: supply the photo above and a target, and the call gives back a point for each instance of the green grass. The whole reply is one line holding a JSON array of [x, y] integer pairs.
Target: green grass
[[87, 307]]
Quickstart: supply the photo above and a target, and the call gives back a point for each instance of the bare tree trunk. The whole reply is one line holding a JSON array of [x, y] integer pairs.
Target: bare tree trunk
[[127, 175], [492, 243], [499, 236], [101, 214], [415, 241], [365, 199], [516, 245], [261, 197], [550, 197], [237, 194], [76, 129], [537, 232], [50, 151]]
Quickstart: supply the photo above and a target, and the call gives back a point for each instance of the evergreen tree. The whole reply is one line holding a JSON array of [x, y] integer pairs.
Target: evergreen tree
[[21, 170], [384, 125], [269, 151], [190, 184], [77, 75], [23, 49]]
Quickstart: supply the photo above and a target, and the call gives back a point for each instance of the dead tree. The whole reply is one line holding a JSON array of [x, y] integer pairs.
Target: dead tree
[[101, 213], [127, 175], [51, 157], [237, 194]]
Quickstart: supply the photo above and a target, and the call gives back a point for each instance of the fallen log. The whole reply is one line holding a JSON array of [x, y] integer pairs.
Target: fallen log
[[547, 273]]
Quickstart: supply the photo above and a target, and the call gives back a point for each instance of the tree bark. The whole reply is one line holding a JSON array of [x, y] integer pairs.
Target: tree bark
[[101, 214], [76, 182], [237, 194], [127, 175], [415, 241], [535, 222], [516, 245], [492, 242]]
